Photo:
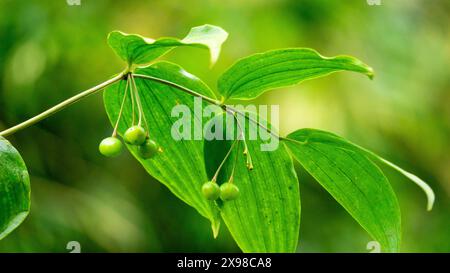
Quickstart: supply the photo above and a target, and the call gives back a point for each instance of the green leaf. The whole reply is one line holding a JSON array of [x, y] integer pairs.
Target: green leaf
[[252, 76], [14, 189], [138, 50], [354, 181], [180, 166], [266, 215], [314, 135]]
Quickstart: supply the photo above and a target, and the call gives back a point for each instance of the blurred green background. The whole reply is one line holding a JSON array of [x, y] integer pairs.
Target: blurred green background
[[50, 50]]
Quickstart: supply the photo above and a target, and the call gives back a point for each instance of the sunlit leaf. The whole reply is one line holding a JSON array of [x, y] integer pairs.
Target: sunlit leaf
[[138, 50]]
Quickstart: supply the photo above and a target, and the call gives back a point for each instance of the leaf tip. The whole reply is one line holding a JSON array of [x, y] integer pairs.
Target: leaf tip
[[215, 228], [370, 73], [210, 35], [112, 34], [419, 182], [367, 70], [430, 199]]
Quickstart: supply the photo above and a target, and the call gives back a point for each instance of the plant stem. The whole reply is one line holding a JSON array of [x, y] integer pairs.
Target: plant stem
[[246, 150], [60, 106], [208, 99], [114, 134], [254, 121], [133, 113], [117, 78], [231, 180], [141, 111], [138, 101], [182, 88], [223, 161]]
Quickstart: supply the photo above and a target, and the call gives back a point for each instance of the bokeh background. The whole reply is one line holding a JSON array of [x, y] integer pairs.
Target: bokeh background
[[50, 50]]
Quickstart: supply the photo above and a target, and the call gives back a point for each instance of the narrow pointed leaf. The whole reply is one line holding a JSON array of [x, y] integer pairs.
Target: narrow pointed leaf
[[314, 135], [252, 76], [14, 189], [355, 182], [138, 50], [180, 164], [266, 215]]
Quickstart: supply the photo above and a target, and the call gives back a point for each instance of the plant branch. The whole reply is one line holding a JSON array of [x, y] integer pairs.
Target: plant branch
[[226, 108], [232, 110], [179, 87], [61, 106]]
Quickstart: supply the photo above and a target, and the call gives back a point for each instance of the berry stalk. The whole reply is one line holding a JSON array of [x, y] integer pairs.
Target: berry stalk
[[114, 134], [214, 179]]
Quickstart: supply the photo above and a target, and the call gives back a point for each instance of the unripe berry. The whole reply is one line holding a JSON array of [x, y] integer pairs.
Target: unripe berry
[[211, 190], [228, 191], [148, 149], [110, 146], [135, 135]]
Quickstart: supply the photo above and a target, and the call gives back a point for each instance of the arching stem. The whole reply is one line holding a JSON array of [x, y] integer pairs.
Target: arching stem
[[60, 106], [214, 179], [114, 134], [133, 112], [179, 87], [138, 99]]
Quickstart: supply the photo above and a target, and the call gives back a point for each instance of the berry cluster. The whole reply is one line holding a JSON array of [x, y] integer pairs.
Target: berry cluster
[[227, 191], [136, 134]]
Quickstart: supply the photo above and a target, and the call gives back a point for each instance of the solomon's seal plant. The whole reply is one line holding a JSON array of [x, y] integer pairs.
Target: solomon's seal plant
[[255, 193]]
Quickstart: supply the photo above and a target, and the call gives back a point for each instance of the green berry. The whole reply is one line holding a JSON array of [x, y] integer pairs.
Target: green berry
[[110, 146], [135, 135], [148, 149], [228, 191], [211, 190]]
